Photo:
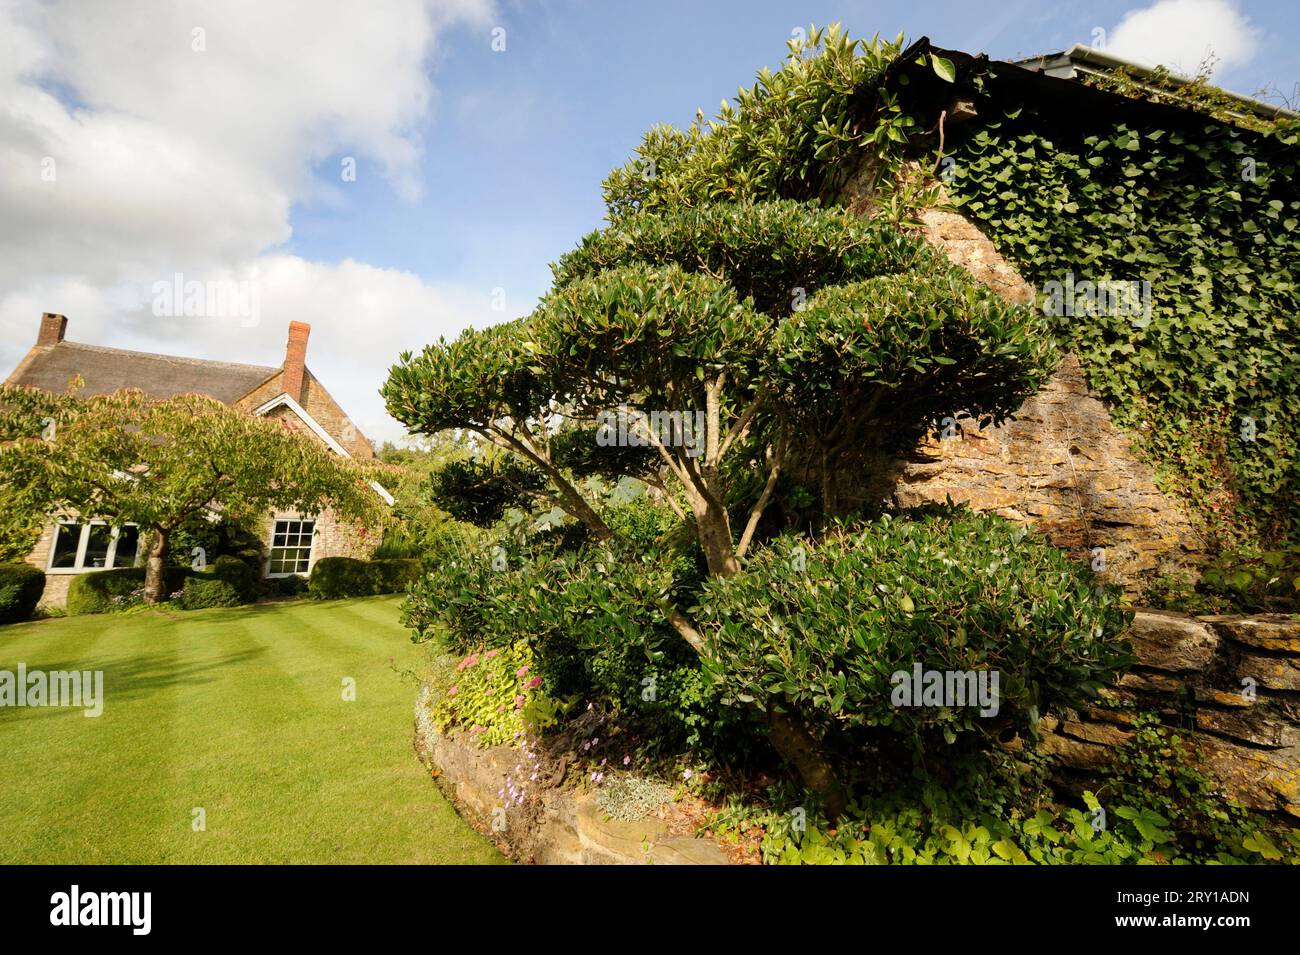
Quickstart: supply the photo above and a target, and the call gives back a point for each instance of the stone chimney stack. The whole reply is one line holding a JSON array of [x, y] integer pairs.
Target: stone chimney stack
[[295, 359], [52, 329]]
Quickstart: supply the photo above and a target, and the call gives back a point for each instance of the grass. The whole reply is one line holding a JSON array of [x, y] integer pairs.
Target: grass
[[239, 712]]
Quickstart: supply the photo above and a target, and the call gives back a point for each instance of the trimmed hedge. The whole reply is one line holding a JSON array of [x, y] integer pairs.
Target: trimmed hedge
[[98, 592], [239, 575], [290, 586], [95, 593], [203, 591], [21, 586], [336, 577], [824, 626]]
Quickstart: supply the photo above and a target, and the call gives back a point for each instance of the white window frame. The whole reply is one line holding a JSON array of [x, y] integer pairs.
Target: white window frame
[[83, 542], [311, 548]]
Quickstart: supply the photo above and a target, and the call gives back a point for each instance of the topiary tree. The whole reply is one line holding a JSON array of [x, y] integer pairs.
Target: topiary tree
[[159, 462], [775, 326]]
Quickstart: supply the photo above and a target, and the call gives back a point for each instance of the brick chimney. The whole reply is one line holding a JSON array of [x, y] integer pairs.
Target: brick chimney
[[52, 329], [295, 358]]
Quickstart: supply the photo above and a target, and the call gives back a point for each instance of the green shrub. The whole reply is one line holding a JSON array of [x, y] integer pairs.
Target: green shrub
[[106, 590], [336, 577], [754, 246], [201, 591], [913, 835], [21, 586], [239, 575], [593, 618], [393, 575], [823, 627], [223, 538], [479, 492], [289, 586], [796, 133]]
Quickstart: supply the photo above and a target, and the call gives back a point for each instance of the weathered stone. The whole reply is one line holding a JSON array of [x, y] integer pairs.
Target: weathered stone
[[1231, 698], [1150, 683], [1095, 733], [1059, 463], [1274, 673], [1263, 779], [1264, 631], [1250, 726], [1170, 641], [1077, 754], [552, 826]]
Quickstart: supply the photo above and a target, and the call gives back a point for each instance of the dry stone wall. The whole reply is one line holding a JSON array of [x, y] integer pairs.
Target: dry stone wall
[[556, 824], [1229, 684]]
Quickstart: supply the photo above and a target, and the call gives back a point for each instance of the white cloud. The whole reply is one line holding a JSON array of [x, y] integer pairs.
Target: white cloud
[[181, 151], [362, 318], [1183, 34]]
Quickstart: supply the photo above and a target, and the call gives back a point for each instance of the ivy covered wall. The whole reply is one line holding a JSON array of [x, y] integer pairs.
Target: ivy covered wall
[[1203, 218]]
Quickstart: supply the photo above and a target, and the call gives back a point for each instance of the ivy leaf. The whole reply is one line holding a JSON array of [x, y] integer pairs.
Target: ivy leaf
[[943, 68]]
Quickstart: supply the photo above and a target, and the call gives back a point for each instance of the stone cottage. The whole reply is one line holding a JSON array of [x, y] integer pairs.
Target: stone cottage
[[290, 392]]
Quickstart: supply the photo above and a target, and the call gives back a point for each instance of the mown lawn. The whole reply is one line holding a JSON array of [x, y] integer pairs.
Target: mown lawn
[[239, 712]]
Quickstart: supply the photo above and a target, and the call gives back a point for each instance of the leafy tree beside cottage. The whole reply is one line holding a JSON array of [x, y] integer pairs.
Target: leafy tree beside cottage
[[159, 462]]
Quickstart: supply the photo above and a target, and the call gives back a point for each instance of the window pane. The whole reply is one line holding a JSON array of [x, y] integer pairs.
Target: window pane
[[101, 535], [65, 545], [128, 542]]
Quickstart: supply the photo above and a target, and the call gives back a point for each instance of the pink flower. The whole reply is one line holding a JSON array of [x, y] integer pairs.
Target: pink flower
[[687, 775], [468, 662], [521, 671], [490, 654], [520, 700], [453, 691], [534, 683], [627, 760]]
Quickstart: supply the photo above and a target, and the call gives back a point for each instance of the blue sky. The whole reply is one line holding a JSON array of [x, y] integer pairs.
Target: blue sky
[[519, 140], [207, 139]]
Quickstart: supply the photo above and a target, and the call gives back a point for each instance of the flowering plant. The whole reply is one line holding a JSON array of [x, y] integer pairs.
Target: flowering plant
[[492, 695]]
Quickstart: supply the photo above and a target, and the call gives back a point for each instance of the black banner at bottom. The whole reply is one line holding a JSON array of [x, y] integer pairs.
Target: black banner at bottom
[[335, 904]]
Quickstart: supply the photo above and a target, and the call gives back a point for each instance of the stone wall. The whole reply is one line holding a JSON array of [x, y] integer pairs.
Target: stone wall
[[1059, 463], [1230, 684], [555, 824]]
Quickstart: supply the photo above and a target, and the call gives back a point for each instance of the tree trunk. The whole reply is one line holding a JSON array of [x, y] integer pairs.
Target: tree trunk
[[718, 549], [790, 738], [154, 585]]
